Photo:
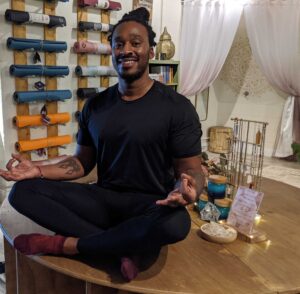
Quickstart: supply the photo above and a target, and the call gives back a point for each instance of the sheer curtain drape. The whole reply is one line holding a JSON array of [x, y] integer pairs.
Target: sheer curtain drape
[[274, 32], [208, 29]]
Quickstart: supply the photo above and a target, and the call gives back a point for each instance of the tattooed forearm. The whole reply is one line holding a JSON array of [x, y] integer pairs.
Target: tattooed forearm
[[71, 166]]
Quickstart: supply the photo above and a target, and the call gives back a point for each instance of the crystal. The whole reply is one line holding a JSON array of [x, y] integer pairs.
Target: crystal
[[210, 212]]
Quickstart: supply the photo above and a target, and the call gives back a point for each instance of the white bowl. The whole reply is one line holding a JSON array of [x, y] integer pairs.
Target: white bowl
[[218, 233]]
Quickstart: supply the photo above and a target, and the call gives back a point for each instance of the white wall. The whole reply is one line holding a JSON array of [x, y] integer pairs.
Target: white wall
[[167, 13]]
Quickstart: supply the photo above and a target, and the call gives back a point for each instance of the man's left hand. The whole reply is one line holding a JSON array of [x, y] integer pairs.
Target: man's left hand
[[186, 193]]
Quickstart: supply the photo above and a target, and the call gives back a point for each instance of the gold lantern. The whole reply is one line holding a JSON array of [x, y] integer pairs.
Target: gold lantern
[[165, 49]]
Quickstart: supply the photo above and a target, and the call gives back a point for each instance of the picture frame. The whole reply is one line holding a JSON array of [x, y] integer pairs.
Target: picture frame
[[148, 4]]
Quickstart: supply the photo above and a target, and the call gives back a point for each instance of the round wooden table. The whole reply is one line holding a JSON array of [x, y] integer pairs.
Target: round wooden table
[[191, 266]]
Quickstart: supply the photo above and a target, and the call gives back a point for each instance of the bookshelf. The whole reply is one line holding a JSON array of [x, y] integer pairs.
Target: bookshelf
[[165, 71]]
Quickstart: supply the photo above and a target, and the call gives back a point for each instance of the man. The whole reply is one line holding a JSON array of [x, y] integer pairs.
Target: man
[[145, 139]]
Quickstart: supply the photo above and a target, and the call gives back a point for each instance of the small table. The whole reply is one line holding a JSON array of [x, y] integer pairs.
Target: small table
[[192, 266]]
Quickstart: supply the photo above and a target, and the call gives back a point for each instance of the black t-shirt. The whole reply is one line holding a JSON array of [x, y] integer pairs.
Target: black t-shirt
[[136, 140]]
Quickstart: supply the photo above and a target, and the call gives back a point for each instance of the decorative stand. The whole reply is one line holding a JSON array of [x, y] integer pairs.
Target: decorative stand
[[255, 237], [245, 149], [246, 162], [246, 154]]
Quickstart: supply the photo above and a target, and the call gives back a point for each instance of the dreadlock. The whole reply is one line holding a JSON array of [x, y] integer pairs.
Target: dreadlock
[[140, 15]]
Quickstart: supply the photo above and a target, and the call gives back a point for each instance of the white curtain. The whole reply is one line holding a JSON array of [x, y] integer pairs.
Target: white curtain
[[273, 28], [207, 33]]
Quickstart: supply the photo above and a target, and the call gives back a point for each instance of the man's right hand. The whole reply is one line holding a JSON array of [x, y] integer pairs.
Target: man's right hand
[[24, 169]]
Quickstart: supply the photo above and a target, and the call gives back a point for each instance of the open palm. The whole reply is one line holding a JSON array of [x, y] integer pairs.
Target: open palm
[[186, 193], [24, 169]]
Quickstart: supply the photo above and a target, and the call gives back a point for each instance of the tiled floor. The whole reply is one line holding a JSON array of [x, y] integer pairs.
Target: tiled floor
[[280, 162], [282, 171], [268, 162]]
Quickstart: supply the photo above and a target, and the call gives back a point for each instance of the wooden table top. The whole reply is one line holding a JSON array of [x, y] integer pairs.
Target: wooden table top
[[198, 266]]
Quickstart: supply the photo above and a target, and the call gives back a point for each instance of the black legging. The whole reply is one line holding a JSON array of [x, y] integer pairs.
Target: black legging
[[105, 221]]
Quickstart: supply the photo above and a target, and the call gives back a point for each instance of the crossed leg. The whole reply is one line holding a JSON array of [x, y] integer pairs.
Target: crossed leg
[[96, 221]]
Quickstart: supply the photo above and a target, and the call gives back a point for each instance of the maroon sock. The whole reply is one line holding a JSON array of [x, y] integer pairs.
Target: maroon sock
[[129, 268], [37, 243]]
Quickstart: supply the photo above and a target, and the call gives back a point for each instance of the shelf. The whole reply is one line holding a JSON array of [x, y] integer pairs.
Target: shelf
[[165, 71], [163, 62]]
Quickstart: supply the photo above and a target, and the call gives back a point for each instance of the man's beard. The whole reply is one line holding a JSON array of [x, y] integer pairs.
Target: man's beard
[[131, 77], [127, 76]]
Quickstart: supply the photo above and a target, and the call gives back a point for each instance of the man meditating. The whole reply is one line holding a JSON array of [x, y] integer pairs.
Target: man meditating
[[144, 138]]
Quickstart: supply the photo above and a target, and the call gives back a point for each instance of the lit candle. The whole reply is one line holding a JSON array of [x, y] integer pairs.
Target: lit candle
[[257, 219]]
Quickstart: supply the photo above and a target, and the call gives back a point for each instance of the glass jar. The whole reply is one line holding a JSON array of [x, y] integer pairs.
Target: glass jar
[[203, 199], [223, 206], [216, 187]]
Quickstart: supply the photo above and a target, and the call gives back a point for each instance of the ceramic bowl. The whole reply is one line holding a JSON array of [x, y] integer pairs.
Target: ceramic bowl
[[218, 233]]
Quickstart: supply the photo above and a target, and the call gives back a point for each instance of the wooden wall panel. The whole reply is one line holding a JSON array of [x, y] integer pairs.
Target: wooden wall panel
[[82, 57], [21, 84], [51, 82], [104, 59]]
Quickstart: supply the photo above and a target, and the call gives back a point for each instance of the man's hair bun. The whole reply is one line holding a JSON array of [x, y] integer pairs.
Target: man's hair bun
[[141, 14]]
